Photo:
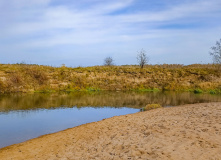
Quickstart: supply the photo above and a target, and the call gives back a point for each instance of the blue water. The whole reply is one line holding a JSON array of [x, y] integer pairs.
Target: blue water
[[19, 126]]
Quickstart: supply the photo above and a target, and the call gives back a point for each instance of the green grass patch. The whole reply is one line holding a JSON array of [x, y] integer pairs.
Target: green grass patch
[[212, 92], [146, 90], [92, 89], [198, 91], [44, 91]]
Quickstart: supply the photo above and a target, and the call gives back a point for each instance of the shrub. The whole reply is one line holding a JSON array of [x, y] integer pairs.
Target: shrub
[[151, 106], [212, 92], [2, 86], [15, 79], [197, 91], [38, 74]]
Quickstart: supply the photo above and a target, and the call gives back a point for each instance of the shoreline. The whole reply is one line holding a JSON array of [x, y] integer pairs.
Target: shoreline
[[98, 90], [183, 132]]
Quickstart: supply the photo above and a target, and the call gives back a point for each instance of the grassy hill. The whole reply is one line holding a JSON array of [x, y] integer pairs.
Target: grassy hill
[[37, 78]]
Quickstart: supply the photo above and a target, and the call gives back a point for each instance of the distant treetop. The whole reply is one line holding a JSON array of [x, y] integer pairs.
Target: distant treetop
[[108, 61]]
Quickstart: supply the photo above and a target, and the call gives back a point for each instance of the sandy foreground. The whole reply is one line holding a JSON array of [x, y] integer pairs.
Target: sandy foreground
[[184, 132]]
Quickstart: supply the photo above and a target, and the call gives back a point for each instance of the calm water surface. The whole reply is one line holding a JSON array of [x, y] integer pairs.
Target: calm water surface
[[26, 116]]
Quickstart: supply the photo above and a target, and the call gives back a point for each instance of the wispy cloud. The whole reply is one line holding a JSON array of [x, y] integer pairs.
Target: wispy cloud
[[27, 26]]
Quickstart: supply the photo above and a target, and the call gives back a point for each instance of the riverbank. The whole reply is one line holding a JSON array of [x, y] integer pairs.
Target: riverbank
[[184, 132], [195, 78]]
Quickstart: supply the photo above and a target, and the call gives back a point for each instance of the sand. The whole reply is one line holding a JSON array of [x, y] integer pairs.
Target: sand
[[183, 132]]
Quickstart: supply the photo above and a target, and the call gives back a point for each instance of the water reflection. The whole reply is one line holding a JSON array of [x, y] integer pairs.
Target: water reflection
[[113, 99]]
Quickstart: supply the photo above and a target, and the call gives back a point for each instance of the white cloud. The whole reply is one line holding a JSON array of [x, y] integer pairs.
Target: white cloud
[[194, 9], [31, 24]]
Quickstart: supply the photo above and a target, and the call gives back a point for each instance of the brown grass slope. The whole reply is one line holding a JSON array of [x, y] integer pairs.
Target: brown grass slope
[[29, 78]]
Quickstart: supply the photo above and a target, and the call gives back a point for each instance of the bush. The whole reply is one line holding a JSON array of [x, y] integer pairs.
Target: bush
[[151, 106], [2, 86], [37, 73], [212, 92], [15, 79], [197, 91]]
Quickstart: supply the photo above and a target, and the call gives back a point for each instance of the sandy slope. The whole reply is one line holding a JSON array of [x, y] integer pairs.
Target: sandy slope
[[185, 132]]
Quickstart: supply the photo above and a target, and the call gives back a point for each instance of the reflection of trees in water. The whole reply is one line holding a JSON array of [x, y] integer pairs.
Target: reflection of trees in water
[[100, 99]]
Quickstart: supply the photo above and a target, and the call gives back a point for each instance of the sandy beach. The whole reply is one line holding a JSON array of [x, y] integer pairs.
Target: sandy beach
[[183, 132]]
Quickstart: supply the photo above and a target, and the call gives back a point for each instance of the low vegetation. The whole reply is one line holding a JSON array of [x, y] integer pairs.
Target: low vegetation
[[36, 78], [151, 106]]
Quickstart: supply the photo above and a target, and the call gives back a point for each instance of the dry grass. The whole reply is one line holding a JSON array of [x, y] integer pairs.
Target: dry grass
[[173, 77], [151, 106]]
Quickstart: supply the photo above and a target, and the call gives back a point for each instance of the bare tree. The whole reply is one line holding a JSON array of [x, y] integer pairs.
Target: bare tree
[[216, 52], [142, 58], [108, 61]]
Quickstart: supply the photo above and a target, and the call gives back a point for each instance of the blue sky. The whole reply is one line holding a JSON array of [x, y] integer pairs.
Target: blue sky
[[83, 33]]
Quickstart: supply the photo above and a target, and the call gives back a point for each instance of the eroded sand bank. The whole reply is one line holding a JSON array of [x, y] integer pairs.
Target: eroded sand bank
[[184, 132]]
